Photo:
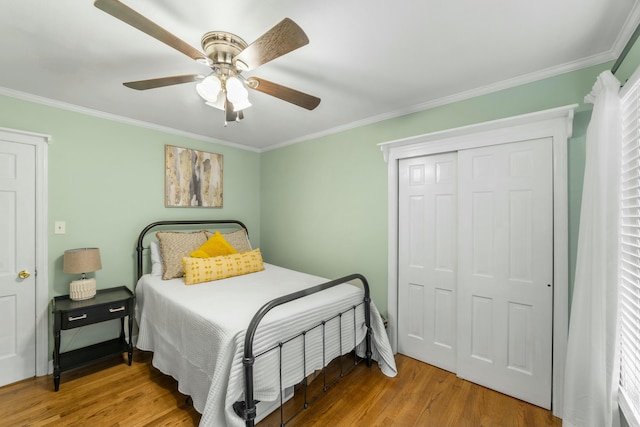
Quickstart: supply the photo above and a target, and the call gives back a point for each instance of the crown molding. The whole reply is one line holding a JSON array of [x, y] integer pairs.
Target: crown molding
[[116, 118]]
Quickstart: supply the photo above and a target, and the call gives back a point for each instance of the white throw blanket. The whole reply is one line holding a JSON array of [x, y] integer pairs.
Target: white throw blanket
[[197, 334]]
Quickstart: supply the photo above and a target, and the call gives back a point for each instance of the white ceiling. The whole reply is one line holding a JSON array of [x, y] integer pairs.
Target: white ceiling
[[367, 59]]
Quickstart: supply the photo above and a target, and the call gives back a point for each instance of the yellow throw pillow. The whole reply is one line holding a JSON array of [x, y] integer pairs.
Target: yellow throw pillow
[[198, 270], [215, 246]]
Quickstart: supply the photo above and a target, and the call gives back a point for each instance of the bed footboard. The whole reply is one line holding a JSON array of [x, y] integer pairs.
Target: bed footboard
[[247, 409]]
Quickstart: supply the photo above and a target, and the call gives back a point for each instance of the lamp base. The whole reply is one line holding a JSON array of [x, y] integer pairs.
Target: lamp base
[[82, 289]]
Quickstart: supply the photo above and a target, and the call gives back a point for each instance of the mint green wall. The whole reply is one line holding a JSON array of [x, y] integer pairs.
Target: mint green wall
[[106, 180], [575, 169], [319, 206], [630, 63], [325, 206], [324, 201]]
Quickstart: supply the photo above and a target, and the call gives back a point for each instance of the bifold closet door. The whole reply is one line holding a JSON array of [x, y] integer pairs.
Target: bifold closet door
[[505, 268], [427, 259]]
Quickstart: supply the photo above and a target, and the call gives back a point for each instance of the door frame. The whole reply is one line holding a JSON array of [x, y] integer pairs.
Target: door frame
[[555, 123], [41, 144]]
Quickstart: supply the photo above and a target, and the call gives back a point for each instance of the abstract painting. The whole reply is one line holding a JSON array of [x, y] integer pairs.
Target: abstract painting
[[192, 178]]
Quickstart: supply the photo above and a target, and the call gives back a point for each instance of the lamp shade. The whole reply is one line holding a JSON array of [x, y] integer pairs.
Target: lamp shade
[[82, 260]]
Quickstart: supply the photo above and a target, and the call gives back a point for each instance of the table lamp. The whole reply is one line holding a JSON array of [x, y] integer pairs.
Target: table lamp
[[82, 261]]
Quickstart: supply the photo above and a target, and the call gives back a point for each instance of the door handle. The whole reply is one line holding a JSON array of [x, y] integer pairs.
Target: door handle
[[24, 274]]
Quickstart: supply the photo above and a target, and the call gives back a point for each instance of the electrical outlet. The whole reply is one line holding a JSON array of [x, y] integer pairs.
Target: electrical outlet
[[59, 227]]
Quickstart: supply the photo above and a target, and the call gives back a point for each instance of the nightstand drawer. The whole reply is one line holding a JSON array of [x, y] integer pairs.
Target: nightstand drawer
[[94, 314]]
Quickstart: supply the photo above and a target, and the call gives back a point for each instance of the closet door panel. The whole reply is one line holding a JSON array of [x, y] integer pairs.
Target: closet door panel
[[428, 259], [505, 268]]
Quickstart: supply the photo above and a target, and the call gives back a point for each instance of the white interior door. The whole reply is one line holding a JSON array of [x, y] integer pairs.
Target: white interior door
[[428, 254], [505, 268], [17, 254]]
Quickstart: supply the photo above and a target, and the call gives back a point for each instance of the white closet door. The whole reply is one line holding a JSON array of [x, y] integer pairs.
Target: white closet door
[[505, 268], [427, 259]]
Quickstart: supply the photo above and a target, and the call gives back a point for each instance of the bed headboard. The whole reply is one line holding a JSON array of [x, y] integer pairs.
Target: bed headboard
[[164, 224]]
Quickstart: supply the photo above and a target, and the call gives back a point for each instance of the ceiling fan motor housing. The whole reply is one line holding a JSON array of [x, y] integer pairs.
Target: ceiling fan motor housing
[[221, 47]]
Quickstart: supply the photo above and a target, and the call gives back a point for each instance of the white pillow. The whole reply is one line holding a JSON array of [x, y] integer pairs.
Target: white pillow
[[156, 259]]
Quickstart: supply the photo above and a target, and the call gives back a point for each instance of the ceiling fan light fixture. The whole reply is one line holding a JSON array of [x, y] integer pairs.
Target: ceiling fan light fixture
[[219, 102], [241, 105], [237, 94], [209, 89]]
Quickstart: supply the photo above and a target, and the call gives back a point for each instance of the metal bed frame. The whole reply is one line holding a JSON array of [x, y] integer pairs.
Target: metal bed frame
[[247, 409]]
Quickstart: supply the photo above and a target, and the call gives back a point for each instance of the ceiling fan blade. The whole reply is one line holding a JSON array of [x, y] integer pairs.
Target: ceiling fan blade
[[136, 20], [293, 96], [285, 37], [163, 81]]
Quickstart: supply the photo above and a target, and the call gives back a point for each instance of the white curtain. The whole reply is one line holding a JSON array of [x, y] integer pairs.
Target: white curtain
[[592, 364]]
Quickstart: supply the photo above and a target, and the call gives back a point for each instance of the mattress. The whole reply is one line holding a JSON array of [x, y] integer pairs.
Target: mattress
[[197, 334]]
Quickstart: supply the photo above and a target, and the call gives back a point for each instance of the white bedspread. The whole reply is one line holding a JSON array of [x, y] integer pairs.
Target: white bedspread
[[197, 334]]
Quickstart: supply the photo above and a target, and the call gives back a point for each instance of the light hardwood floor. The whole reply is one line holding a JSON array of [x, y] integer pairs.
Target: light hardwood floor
[[111, 393]]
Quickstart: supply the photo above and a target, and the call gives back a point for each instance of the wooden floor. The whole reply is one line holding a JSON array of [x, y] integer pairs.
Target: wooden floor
[[113, 394]]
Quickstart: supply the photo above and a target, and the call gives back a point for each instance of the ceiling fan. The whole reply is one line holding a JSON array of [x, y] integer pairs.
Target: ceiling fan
[[228, 56]]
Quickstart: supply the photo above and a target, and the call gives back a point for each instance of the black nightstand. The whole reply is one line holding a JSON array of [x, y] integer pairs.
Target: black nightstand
[[108, 304]]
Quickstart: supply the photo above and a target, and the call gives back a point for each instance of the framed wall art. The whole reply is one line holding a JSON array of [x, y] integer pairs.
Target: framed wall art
[[192, 178]]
